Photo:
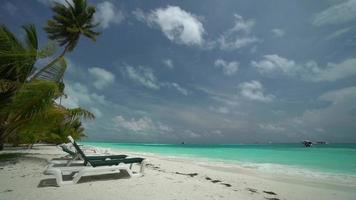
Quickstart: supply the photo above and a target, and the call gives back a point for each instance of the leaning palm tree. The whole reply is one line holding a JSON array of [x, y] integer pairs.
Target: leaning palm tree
[[68, 24], [17, 60], [24, 101]]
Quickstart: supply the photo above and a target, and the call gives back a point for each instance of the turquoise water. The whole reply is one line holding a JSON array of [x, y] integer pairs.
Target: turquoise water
[[334, 158]]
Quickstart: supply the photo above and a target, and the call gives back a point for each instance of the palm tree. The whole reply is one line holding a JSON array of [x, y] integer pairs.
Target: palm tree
[[68, 24], [17, 71], [17, 60], [26, 102]]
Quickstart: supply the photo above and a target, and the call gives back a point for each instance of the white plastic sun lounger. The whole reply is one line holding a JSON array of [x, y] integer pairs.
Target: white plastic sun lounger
[[96, 166], [78, 173], [76, 158]]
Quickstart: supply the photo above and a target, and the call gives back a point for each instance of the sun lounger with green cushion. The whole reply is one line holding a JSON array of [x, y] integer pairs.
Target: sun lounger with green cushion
[[75, 155], [96, 161], [97, 167]]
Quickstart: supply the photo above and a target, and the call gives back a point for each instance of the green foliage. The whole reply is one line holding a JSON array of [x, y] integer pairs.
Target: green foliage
[[32, 99], [69, 22], [53, 72], [28, 111], [16, 58]]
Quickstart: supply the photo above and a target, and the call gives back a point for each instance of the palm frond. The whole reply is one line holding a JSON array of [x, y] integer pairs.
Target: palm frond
[[69, 22], [76, 113], [31, 36], [16, 60], [53, 72], [48, 50], [32, 99]]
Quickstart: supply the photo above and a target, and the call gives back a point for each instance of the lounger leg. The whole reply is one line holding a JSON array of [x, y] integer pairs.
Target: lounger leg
[[71, 161], [57, 174], [142, 167]]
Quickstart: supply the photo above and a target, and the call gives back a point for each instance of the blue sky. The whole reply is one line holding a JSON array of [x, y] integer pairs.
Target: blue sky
[[213, 71]]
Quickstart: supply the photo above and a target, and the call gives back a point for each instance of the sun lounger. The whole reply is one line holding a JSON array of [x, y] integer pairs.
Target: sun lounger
[[75, 156], [96, 166], [88, 171]]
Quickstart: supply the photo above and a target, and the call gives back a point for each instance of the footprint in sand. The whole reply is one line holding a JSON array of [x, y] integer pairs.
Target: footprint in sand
[[189, 174], [252, 190], [226, 184], [270, 192]]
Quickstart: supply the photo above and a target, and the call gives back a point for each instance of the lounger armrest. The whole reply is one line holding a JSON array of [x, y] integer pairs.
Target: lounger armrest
[[97, 163], [106, 157]]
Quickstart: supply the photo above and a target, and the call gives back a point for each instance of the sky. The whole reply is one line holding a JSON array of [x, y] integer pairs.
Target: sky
[[212, 71]]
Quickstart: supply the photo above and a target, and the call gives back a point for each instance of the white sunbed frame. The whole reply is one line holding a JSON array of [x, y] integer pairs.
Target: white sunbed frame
[[80, 172]]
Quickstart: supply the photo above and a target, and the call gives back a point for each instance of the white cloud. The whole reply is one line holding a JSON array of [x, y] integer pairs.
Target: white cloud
[[221, 109], [143, 76], [141, 124], [271, 127], [238, 36], [186, 28], [254, 90], [177, 87], [192, 134], [176, 24], [106, 14], [340, 96], [217, 132], [338, 33], [96, 112], [334, 72], [229, 68], [79, 95], [139, 15], [309, 71], [333, 122], [164, 127], [278, 32], [102, 77], [336, 14], [50, 2], [168, 63], [274, 63]]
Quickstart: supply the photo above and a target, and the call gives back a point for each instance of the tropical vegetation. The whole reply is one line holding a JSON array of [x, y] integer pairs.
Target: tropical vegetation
[[30, 111]]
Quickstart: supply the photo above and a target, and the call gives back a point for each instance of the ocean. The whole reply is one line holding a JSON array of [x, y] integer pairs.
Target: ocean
[[337, 159]]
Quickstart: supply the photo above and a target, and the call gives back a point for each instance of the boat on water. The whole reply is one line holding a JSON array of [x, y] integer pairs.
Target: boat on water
[[321, 142], [307, 143]]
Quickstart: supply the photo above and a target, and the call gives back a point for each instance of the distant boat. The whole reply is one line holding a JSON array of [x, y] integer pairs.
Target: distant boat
[[307, 143], [321, 142]]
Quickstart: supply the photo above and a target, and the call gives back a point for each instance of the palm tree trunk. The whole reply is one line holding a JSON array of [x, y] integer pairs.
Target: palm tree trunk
[[2, 138], [2, 141]]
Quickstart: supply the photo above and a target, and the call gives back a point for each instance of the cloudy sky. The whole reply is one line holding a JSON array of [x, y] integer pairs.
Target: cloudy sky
[[222, 71]]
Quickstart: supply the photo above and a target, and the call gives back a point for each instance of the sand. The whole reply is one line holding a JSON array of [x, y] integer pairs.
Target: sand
[[165, 178]]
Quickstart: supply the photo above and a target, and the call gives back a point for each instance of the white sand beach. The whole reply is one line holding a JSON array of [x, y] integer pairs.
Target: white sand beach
[[164, 178]]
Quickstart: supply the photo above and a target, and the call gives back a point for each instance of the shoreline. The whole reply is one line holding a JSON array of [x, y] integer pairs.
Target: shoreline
[[274, 169], [165, 178], [327, 178]]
